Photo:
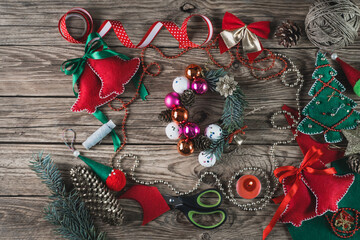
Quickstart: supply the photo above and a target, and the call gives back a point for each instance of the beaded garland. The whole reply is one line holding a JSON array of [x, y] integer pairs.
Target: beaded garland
[[232, 118]]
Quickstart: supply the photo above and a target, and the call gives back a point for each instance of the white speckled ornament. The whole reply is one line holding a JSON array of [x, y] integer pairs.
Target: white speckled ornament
[[213, 132], [173, 131], [180, 84], [207, 160]]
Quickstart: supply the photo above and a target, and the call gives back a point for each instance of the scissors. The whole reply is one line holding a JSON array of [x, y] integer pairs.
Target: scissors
[[192, 205]]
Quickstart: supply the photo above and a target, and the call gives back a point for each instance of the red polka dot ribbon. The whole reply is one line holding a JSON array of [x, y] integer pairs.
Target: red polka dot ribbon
[[78, 13], [180, 34]]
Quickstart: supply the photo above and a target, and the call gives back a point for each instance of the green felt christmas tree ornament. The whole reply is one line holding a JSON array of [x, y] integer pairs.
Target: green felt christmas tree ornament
[[329, 111]]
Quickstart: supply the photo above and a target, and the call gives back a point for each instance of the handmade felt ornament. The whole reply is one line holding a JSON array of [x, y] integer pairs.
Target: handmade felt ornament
[[334, 225], [305, 142], [150, 200], [329, 111], [235, 31], [100, 74], [113, 178], [310, 190], [352, 74]]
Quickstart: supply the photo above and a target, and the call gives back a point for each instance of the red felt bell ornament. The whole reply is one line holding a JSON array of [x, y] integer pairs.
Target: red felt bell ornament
[[352, 74], [113, 178]]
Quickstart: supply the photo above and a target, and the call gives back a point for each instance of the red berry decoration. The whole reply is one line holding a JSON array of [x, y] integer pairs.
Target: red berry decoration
[[180, 115]]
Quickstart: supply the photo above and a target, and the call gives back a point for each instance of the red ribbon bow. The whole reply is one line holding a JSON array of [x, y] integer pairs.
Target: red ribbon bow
[[232, 23], [311, 157]]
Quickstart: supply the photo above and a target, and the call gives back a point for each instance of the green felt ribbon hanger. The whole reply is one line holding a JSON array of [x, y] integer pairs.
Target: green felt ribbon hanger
[[96, 48]]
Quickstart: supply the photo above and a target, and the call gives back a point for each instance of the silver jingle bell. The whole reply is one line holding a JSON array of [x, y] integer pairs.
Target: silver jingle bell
[[237, 141]]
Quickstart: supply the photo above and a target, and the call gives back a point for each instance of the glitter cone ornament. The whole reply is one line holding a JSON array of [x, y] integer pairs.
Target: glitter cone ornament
[[113, 178], [226, 85]]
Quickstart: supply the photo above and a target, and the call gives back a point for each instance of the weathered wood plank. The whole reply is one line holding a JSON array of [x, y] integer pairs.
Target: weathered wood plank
[[38, 73], [42, 120], [17, 212], [156, 162], [38, 20]]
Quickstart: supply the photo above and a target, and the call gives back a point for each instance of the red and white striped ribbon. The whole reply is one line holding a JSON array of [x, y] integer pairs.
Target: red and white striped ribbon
[[79, 13], [180, 34]]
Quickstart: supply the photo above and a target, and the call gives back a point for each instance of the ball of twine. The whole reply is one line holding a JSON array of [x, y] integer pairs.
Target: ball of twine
[[332, 24]]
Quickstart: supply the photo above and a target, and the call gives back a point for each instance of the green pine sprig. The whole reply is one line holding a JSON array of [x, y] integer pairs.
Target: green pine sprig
[[66, 210], [217, 146], [233, 112], [212, 77]]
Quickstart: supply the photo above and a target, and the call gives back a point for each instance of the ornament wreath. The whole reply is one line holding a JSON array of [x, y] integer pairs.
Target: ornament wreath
[[196, 81]]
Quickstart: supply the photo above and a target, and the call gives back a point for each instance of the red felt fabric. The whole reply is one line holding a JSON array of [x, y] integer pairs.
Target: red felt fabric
[[352, 74], [316, 193], [89, 86], [305, 142], [114, 73], [150, 199], [116, 180]]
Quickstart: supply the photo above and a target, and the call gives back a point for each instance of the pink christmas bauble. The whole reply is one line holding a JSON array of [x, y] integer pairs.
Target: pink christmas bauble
[[199, 85], [172, 100], [191, 130]]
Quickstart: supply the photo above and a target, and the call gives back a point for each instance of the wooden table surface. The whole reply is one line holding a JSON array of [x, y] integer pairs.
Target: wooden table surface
[[36, 98]]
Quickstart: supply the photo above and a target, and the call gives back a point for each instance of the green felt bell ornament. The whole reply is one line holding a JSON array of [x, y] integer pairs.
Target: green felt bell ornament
[[113, 178]]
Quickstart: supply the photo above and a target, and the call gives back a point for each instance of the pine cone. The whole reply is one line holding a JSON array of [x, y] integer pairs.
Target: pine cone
[[165, 116], [96, 196], [288, 33], [188, 98], [202, 142], [353, 162]]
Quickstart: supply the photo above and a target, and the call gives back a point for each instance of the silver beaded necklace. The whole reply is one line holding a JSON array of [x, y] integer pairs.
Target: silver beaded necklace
[[269, 193]]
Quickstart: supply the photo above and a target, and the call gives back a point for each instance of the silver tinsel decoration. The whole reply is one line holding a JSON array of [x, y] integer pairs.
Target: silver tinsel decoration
[[353, 162], [97, 197], [226, 85]]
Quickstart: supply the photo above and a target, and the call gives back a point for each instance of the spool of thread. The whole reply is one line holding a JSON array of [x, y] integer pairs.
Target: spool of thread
[[99, 134]]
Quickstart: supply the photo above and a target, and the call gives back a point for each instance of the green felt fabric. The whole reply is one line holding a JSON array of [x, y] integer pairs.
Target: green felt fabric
[[319, 228], [329, 107]]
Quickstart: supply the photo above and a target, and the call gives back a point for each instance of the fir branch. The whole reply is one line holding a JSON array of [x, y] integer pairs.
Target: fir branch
[[212, 77], [67, 210], [233, 112], [217, 146]]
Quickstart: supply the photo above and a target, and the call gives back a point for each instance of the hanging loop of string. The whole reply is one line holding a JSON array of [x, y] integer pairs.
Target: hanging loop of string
[[72, 141]]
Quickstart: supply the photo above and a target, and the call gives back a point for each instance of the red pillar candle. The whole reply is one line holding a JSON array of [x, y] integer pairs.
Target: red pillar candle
[[248, 186]]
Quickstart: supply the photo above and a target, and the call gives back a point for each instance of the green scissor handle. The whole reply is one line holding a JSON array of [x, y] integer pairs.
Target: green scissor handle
[[191, 213], [200, 195]]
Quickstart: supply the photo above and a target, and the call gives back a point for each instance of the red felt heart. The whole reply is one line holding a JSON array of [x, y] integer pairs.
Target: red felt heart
[[89, 86], [114, 73]]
